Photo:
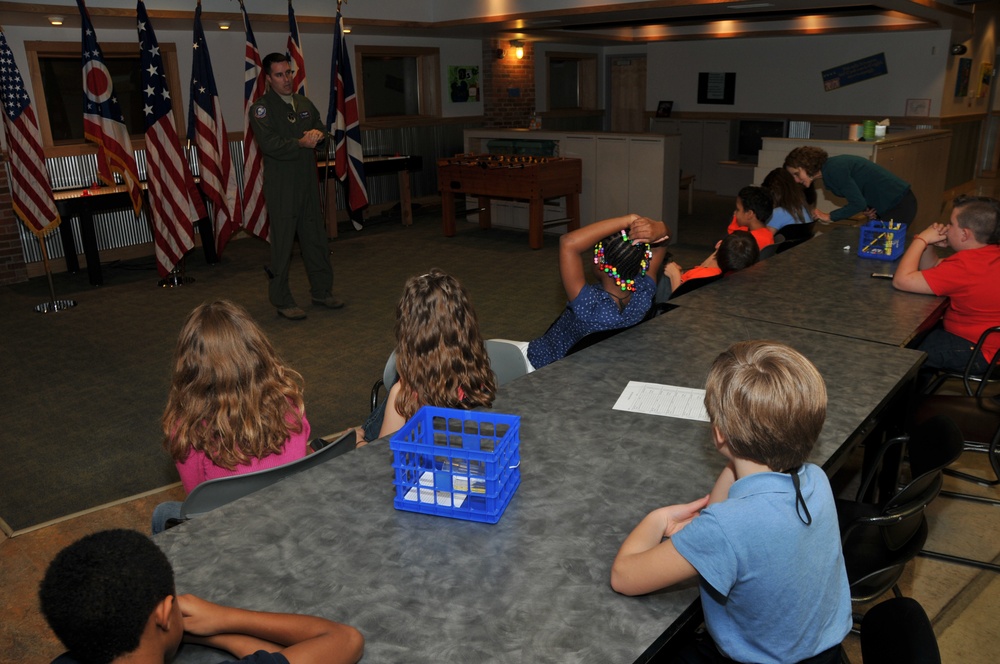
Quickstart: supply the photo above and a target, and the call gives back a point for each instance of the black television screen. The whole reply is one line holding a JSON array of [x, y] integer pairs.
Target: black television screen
[[750, 135]]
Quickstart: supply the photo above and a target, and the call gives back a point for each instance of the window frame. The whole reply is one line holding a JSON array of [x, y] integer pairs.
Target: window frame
[[42, 49], [428, 82]]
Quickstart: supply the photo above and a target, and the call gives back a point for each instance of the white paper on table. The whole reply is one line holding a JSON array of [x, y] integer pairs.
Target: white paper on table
[[669, 400]]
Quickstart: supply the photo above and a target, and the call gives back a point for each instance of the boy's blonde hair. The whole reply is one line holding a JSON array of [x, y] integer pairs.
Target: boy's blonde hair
[[768, 402]]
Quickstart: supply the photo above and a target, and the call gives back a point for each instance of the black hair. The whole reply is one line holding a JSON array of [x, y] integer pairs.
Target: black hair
[[273, 58], [99, 592], [738, 250], [757, 200], [628, 259]]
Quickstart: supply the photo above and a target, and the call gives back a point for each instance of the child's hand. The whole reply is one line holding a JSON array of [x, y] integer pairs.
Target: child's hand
[[201, 617], [935, 234], [678, 516], [643, 229], [672, 270]]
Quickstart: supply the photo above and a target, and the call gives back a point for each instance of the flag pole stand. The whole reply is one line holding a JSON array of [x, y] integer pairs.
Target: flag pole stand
[[53, 305], [175, 278]]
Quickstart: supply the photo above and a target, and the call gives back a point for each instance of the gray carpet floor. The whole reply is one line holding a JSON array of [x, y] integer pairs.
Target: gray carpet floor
[[84, 388]]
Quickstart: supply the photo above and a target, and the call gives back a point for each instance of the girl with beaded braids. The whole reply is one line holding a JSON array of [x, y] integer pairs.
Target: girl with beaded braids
[[626, 266], [440, 355]]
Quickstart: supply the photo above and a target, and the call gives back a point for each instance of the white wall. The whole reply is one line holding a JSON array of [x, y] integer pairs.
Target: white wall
[[784, 74]]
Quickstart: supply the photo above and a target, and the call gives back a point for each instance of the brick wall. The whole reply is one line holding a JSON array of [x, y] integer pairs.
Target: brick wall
[[12, 268], [508, 85]]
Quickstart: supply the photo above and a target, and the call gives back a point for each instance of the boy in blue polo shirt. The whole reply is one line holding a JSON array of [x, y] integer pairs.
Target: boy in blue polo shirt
[[765, 543]]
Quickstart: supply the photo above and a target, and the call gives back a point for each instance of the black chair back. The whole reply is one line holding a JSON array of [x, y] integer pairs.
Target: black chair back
[[693, 284], [897, 630], [933, 447], [878, 540]]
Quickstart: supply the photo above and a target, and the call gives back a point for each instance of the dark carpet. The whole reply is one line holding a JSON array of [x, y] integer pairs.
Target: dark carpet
[[85, 388]]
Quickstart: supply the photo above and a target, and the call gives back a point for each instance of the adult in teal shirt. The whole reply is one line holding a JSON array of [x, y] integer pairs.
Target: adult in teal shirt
[[868, 187]]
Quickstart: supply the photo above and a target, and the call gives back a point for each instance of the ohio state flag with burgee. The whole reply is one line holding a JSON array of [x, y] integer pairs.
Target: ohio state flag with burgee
[[103, 122]]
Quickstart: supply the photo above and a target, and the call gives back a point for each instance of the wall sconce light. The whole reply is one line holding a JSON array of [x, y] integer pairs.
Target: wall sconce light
[[223, 25], [518, 47], [55, 20]]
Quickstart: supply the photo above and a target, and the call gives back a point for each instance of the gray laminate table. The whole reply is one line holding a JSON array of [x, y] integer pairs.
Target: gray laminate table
[[534, 587], [817, 285]]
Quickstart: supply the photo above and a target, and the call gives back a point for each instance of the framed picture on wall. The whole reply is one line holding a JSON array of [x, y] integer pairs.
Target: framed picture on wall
[[962, 80], [985, 73], [920, 108], [663, 109], [717, 88]]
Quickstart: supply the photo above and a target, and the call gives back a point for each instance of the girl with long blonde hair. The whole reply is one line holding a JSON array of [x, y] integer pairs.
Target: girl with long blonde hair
[[233, 406]]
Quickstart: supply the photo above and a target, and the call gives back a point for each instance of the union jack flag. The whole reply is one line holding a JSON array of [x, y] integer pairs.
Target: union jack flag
[[294, 50], [254, 212], [103, 121], [173, 197], [343, 117], [29, 184], [207, 130]]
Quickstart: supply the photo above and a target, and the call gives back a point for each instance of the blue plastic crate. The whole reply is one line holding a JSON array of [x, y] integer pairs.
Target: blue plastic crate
[[882, 240], [457, 463]]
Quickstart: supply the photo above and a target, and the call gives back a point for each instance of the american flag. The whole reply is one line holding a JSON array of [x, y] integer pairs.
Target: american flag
[[103, 121], [173, 197], [29, 184], [343, 117], [294, 49], [207, 130], [254, 212]]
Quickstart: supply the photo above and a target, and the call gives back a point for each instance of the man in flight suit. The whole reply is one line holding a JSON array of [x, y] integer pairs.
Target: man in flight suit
[[287, 128]]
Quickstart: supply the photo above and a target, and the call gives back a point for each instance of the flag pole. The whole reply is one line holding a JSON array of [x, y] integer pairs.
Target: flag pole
[[53, 305]]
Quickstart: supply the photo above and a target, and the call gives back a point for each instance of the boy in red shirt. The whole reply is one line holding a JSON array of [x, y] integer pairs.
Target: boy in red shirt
[[969, 277]]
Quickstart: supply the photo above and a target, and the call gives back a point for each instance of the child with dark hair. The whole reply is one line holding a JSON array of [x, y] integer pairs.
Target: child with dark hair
[[626, 266], [765, 543], [110, 597], [791, 202], [753, 211], [734, 252]]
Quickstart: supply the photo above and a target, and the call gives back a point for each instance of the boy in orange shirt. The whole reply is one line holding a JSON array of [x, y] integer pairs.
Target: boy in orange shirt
[[753, 210]]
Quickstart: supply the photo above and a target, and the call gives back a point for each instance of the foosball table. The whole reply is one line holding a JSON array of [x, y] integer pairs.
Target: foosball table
[[518, 177]]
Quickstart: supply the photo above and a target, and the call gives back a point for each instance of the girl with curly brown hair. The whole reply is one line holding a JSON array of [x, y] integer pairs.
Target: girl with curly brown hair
[[440, 355]]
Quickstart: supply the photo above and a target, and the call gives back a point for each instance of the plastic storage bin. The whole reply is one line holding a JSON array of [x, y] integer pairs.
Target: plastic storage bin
[[457, 463], [883, 240]]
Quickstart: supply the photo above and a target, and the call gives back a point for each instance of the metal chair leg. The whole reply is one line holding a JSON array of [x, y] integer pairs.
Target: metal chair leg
[[947, 557]]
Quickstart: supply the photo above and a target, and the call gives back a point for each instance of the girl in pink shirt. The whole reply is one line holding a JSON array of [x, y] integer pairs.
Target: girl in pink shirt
[[233, 406]]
